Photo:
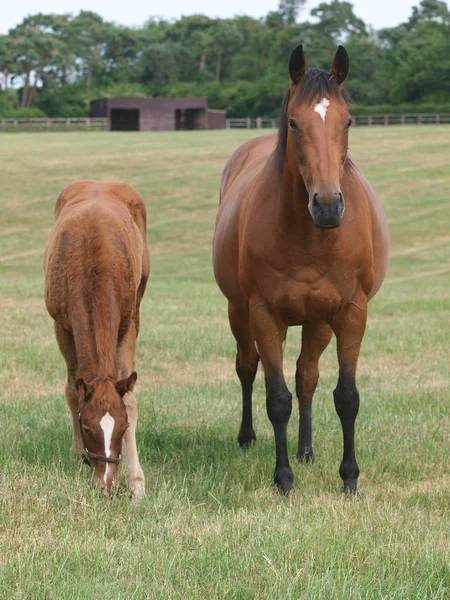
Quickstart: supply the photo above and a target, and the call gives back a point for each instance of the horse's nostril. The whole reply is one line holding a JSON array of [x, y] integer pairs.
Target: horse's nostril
[[315, 200]]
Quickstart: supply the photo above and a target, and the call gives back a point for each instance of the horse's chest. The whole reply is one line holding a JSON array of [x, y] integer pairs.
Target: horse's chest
[[307, 297]]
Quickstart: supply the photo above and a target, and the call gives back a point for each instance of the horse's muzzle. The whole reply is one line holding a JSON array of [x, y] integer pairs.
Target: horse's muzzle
[[326, 213]]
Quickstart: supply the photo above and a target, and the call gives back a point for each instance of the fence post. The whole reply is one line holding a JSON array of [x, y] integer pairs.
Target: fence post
[[402, 119], [419, 119], [369, 120], [258, 122], [88, 122], [274, 124], [249, 123], [227, 123], [438, 119]]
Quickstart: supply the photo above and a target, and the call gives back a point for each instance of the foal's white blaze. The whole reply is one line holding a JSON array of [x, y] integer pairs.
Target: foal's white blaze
[[107, 424], [322, 107]]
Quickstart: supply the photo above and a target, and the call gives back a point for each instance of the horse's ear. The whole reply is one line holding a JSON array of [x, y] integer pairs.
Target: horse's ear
[[340, 65], [83, 389], [297, 64], [126, 385]]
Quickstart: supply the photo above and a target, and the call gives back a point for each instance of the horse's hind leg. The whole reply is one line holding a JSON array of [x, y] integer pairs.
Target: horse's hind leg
[[246, 366], [315, 338], [67, 347]]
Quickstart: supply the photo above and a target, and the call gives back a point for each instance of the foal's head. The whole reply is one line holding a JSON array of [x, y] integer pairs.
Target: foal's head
[[315, 128], [103, 421]]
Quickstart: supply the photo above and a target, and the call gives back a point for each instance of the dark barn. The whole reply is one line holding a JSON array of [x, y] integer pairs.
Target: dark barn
[[157, 114]]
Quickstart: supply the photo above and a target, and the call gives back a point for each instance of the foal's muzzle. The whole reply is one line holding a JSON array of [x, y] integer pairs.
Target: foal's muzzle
[[327, 210]]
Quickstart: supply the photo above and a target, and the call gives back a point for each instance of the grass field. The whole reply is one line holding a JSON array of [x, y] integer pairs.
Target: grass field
[[212, 526]]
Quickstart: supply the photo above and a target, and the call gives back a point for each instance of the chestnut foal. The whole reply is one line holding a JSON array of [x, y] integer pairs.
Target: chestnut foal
[[96, 268]]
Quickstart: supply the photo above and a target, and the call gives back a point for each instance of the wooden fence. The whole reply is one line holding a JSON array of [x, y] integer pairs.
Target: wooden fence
[[69, 124], [391, 119], [87, 124]]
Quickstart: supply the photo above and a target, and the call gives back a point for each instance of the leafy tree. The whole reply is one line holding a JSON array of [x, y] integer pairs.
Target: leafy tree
[[57, 63], [6, 60], [92, 34]]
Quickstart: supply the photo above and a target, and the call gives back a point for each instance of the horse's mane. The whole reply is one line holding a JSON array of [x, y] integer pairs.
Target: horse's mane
[[315, 84]]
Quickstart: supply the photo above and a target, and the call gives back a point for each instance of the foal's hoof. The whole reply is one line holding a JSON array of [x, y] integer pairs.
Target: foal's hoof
[[137, 489], [283, 479], [305, 455], [246, 437], [350, 487]]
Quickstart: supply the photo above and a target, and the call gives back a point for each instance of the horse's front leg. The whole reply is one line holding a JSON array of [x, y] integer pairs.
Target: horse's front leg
[[349, 328], [125, 359], [269, 334], [135, 475]]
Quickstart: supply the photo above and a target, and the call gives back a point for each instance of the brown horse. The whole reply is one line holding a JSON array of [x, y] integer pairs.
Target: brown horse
[[301, 239], [96, 269]]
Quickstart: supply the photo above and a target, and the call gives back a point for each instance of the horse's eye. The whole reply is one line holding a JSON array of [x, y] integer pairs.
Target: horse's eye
[[292, 124], [349, 124]]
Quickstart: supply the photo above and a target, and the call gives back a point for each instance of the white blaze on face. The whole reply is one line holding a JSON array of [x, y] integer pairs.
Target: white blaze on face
[[322, 107], [107, 424]]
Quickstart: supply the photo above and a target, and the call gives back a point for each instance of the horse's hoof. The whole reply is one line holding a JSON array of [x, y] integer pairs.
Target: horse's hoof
[[246, 437], [350, 487], [283, 479], [137, 490], [305, 455]]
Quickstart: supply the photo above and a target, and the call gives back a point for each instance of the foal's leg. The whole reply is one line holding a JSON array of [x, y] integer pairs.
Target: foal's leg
[[315, 338], [349, 328], [269, 333], [125, 359], [67, 347], [246, 366]]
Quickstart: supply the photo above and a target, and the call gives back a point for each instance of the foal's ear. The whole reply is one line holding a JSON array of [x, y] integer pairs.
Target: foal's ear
[[126, 385], [297, 64], [340, 65], [84, 390]]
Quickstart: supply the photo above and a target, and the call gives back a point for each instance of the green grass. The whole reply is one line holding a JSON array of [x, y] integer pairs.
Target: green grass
[[212, 526]]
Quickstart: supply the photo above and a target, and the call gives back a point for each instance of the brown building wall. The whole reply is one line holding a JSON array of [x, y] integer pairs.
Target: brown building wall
[[158, 114], [216, 119]]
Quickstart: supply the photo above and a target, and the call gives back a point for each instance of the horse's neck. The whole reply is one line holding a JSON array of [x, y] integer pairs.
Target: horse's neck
[[94, 342], [293, 201]]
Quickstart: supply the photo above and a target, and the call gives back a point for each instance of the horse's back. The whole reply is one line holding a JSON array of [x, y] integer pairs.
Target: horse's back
[[241, 168], [77, 193], [243, 160], [99, 232]]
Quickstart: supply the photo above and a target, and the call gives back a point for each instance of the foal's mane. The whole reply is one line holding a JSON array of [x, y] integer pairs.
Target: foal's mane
[[316, 84]]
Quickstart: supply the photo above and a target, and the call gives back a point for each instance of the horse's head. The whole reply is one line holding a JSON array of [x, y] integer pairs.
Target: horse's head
[[316, 133], [103, 421]]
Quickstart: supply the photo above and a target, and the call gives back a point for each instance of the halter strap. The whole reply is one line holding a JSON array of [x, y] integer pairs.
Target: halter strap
[[96, 379], [87, 454]]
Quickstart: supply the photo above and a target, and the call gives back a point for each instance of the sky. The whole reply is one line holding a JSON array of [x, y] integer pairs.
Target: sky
[[379, 13]]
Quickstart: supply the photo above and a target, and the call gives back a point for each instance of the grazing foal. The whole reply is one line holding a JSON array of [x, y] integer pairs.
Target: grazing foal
[[96, 268], [301, 239]]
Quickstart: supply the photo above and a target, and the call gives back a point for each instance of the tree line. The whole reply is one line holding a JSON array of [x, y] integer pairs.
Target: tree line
[[53, 65]]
